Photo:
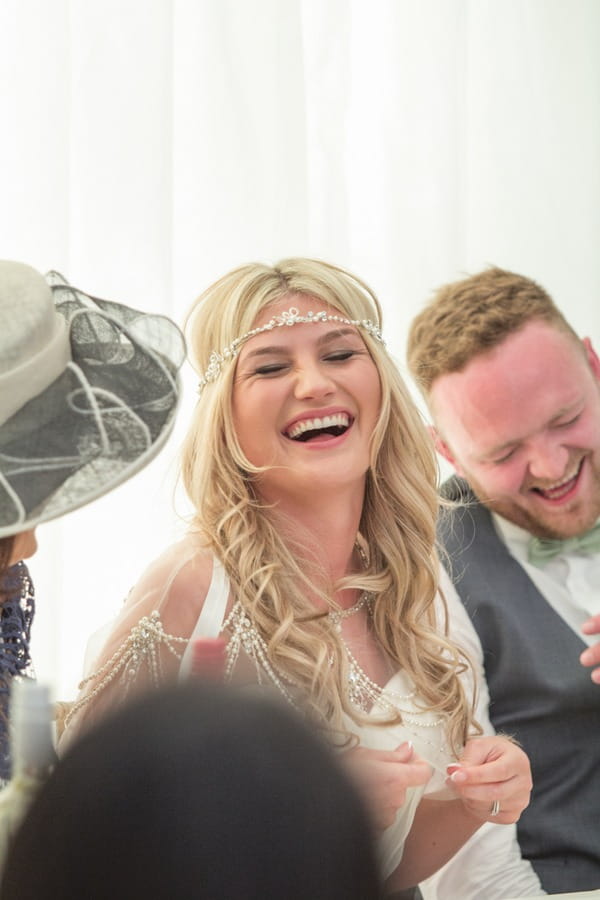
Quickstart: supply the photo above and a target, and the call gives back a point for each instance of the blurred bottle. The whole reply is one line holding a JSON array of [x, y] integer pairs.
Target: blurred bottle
[[32, 752]]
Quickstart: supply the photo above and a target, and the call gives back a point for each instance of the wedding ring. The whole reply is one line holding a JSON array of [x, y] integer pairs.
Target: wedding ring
[[495, 808]]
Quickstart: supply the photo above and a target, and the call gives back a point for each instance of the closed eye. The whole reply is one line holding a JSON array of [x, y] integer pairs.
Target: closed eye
[[505, 458], [342, 355], [275, 368], [270, 369], [567, 424]]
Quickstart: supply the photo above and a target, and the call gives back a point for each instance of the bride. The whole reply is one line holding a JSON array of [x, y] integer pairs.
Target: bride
[[312, 552]]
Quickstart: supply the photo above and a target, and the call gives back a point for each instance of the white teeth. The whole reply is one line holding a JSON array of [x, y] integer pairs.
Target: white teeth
[[342, 420], [562, 482]]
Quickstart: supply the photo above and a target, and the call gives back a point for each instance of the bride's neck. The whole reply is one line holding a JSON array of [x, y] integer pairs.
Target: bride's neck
[[328, 534]]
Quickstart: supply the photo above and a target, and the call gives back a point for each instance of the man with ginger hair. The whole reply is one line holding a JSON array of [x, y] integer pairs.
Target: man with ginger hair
[[515, 397]]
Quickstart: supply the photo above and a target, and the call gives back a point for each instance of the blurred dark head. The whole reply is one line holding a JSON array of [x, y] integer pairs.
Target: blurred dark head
[[197, 791]]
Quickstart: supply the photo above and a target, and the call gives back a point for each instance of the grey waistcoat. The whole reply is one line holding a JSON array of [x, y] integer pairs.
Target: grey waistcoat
[[539, 693]]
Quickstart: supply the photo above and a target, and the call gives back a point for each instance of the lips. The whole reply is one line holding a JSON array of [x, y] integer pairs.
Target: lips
[[560, 490]]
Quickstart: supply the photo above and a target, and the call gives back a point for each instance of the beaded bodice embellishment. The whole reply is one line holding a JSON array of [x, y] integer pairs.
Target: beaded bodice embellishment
[[364, 694], [245, 636], [139, 654], [140, 650]]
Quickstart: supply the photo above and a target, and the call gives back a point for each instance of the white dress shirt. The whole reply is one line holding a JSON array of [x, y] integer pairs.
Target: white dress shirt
[[570, 582]]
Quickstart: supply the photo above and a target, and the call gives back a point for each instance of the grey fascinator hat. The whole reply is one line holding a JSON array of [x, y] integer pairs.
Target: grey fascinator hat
[[88, 394]]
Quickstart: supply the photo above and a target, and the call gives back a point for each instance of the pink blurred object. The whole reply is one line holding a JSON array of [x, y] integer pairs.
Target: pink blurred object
[[208, 658]]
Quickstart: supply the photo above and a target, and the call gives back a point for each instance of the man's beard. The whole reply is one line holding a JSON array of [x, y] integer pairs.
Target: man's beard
[[563, 523]]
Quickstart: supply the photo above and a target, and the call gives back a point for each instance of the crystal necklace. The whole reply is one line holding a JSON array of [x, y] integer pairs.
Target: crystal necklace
[[363, 692], [335, 616]]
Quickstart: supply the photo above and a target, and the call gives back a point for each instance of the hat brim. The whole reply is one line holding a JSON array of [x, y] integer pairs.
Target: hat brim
[[102, 420]]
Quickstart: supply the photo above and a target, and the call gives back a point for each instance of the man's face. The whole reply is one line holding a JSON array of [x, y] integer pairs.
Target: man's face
[[521, 423]]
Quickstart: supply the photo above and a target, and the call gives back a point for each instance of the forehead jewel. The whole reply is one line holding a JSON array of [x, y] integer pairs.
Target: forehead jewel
[[290, 317]]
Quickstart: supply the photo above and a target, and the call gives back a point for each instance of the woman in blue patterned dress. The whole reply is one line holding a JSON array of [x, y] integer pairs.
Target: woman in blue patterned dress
[[88, 393]]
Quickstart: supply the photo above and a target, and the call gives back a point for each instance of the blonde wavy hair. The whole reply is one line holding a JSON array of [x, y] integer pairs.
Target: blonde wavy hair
[[268, 563]]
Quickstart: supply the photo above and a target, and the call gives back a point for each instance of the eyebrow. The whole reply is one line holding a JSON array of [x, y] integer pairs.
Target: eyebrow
[[323, 339]]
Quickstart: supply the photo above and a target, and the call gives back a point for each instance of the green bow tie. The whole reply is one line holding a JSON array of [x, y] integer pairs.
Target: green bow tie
[[540, 550]]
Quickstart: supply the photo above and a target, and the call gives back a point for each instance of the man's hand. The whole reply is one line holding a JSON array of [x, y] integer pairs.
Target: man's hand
[[591, 656]]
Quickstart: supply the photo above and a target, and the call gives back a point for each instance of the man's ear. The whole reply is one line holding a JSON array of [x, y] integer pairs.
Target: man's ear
[[443, 449], [592, 357]]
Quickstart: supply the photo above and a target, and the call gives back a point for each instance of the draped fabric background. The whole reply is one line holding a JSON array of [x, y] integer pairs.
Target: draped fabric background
[[146, 146]]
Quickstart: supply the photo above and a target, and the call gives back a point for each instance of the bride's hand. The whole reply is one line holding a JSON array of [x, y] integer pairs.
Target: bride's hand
[[493, 779], [383, 777]]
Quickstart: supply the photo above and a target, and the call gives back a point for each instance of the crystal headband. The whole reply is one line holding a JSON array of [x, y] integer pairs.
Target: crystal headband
[[289, 317]]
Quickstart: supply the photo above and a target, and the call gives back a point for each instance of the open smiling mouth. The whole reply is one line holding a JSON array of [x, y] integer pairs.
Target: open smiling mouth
[[560, 490], [309, 429]]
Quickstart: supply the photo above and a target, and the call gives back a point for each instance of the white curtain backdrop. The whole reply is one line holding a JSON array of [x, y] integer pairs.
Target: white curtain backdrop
[[146, 146]]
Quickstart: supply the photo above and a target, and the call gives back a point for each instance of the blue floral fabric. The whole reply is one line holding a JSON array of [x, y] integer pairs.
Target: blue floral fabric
[[17, 607]]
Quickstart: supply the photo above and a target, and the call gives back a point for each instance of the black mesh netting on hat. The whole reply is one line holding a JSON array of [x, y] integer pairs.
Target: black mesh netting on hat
[[100, 420]]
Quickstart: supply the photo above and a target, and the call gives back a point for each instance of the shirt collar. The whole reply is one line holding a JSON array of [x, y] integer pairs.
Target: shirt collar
[[513, 535]]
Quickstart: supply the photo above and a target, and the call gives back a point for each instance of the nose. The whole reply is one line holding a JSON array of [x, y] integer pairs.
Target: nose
[[548, 460], [313, 382]]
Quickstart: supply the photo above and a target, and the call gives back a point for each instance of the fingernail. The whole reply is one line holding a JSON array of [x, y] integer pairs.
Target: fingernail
[[452, 767], [459, 776], [586, 657]]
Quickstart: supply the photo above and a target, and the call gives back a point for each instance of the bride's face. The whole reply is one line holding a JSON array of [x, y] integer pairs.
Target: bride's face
[[305, 403]]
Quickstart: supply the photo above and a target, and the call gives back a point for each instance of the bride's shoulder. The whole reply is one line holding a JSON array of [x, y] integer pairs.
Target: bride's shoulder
[[182, 571]]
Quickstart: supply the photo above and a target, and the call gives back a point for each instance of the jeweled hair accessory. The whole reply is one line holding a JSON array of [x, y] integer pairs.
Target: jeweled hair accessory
[[289, 317]]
